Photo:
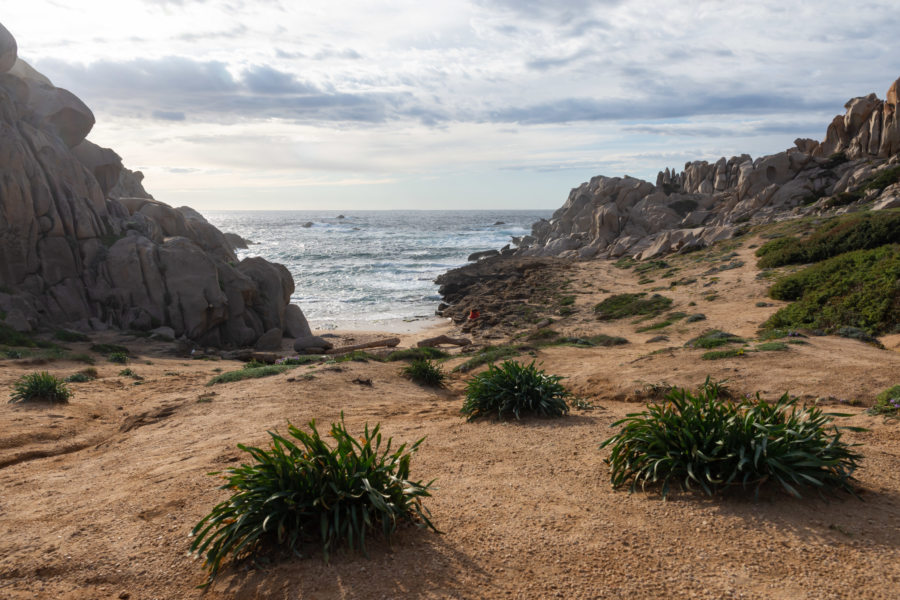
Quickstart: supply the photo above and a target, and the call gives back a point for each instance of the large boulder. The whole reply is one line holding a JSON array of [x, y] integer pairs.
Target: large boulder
[[61, 110], [8, 50], [104, 163], [82, 244], [295, 323]]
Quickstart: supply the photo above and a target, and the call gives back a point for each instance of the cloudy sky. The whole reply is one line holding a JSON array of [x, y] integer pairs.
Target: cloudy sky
[[279, 104]]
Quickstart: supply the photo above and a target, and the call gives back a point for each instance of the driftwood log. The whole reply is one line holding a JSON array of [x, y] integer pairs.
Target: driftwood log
[[388, 342], [443, 339]]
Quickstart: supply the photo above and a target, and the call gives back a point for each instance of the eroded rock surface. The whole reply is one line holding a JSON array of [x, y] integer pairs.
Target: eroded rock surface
[[83, 245]]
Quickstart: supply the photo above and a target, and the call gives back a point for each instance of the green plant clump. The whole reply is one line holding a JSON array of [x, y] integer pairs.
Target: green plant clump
[[82, 376], [487, 355], [67, 335], [517, 389], [108, 348], [713, 339], [251, 373], [771, 346], [857, 289], [701, 442], [424, 372], [303, 490], [40, 386], [887, 402], [414, 353], [118, 357], [619, 306], [130, 373], [592, 341], [720, 354], [858, 231]]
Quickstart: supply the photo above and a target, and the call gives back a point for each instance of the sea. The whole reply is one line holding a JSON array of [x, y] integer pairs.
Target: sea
[[371, 270]]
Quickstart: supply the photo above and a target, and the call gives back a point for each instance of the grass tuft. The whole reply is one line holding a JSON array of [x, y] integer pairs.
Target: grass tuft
[[713, 339], [487, 355], [517, 389], [424, 372], [887, 402], [619, 306], [40, 386], [698, 441], [414, 353], [249, 373], [304, 490]]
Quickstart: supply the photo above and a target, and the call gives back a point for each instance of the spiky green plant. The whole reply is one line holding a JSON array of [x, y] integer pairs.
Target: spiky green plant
[[515, 388], [424, 372], [40, 386], [702, 442], [303, 490]]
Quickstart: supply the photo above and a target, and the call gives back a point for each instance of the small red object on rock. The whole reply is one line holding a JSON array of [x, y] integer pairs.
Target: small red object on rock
[[474, 314]]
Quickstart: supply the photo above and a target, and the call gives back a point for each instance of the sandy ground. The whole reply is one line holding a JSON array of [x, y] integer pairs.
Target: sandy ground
[[98, 497]]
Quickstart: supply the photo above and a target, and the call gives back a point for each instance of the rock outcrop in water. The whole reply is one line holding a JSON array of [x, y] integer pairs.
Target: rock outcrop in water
[[83, 245], [704, 203]]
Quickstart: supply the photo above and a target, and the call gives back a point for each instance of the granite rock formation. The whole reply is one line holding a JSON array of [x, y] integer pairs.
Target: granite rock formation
[[706, 202], [83, 245]]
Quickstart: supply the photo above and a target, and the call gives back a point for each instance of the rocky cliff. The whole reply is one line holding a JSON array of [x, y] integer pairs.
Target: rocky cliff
[[83, 245], [704, 203]]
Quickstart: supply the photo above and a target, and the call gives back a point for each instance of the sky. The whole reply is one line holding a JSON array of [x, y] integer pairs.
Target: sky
[[418, 104]]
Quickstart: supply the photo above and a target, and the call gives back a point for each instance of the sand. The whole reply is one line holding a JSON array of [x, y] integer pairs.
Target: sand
[[98, 497]]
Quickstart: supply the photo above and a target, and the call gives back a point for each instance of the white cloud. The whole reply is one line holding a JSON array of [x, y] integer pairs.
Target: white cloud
[[386, 92]]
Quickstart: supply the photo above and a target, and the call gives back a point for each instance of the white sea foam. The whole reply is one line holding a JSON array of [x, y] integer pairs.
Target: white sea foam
[[372, 267]]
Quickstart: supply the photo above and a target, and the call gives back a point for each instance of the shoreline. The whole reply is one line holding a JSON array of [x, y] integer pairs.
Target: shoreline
[[395, 326]]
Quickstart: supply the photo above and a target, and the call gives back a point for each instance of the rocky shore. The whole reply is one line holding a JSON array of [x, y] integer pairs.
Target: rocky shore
[[610, 217]]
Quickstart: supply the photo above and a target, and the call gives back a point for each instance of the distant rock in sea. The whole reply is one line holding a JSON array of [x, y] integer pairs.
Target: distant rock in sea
[[83, 245]]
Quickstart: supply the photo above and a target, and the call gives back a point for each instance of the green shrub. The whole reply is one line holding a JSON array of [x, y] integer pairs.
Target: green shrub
[[424, 372], [108, 349], [303, 490], [544, 334], [356, 356], [118, 357], [695, 317], [720, 354], [619, 306], [700, 441], [713, 339], [83, 357], [40, 386], [252, 373], [771, 346], [858, 231], [517, 389], [414, 353], [591, 341], [887, 402], [857, 289], [486, 355], [11, 337], [670, 318], [82, 376], [130, 373], [67, 335]]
